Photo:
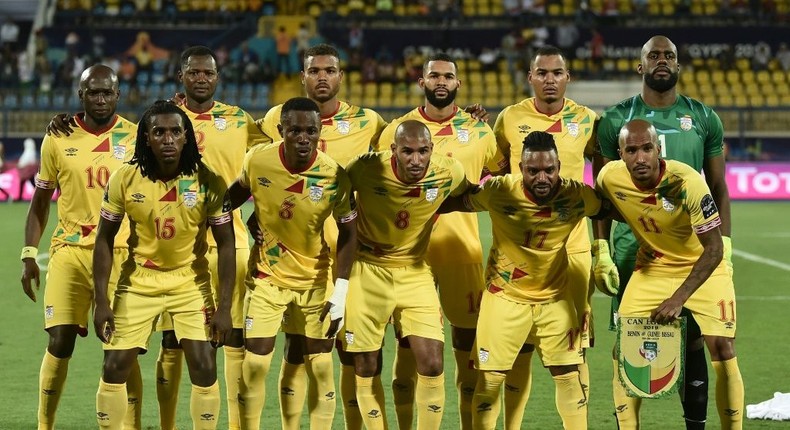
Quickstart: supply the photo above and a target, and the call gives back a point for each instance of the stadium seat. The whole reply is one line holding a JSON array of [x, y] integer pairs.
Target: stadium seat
[[43, 101], [733, 77], [778, 76], [10, 101], [772, 100]]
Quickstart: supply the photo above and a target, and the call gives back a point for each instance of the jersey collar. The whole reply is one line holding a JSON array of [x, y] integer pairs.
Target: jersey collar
[[425, 116], [81, 122]]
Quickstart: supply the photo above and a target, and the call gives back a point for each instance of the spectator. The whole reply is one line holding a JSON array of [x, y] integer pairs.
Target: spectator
[[488, 60], [355, 37], [369, 70], [761, 58], [8, 67], [268, 74], [510, 51], [596, 52], [783, 56], [143, 42], [302, 40], [72, 42], [25, 70], [567, 36], [385, 71], [127, 70], [27, 166], [9, 33], [222, 55], [283, 42], [42, 71]]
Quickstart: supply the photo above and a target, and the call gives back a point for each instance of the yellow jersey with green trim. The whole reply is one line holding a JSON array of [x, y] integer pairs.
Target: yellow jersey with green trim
[[665, 218], [573, 128], [456, 237], [291, 207], [224, 134], [168, 219], [396, 218], [528, 258], [80, 165], [346, 133]]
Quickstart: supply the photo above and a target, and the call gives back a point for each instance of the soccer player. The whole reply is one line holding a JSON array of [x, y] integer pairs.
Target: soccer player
[[295, 188], [691, 132], [679, 264], [454, 252], [528, 296], [170, 197], [572, 126], [398, 193], [79, 164]]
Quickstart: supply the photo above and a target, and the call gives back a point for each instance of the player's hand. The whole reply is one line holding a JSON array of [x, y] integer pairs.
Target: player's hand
[[477, 111], [103, 322], [179, 99], [255, 230], [61, 123], [728, 252], [668, 310], [30, 273], [605, 274], [335, 307], [220, 327]]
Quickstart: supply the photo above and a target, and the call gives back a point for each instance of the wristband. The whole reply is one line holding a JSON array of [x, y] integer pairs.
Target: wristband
[[29, 252], [341, 286]]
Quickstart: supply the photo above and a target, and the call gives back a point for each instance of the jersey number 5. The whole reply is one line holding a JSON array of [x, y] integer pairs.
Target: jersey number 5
[[165, 228]]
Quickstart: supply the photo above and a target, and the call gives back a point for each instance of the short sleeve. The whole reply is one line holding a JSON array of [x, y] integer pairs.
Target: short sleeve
[[375, 141], [479, 199], [387, 136], [714, 140], [47, 177], [254, 134], [501, 158], [460, 182], [344, 209], [244, 175], [268, 125], [589, 148], [607, 133], [700, 204], [218, 201], [113, 207], [592, 201]]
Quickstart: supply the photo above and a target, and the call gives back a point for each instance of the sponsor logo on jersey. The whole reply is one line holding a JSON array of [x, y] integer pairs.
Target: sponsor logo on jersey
[[431, 194], [483, 355], [315, 192], [190, 198], [685, 123], [668, 205], [220, 123], [71, 152], [380, 191], [119, 152], [573, 128], [138, 197], [343, 127], [620, 195], [264, 181], [463, 135], [523, 128]]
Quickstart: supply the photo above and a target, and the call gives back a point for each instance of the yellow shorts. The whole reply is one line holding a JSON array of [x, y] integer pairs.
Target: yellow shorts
[[505, 326], [460, 290], [375, 293], [145, 294], [68, 295], [239, 287], [581, 290], [712, 305], [270, 307]]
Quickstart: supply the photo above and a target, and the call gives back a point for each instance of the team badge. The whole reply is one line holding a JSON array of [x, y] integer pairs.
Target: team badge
[[49, 312], [316, 193], [349, 337], [668, 205], [463, 135], [685, 123], [483, 355], [190, 198], [119, 152], [220, 123], [343, 127], [573, 128], [248, 323], [431, 194], [650, 355]]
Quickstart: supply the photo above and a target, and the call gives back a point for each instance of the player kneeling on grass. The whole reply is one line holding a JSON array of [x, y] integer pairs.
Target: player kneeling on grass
[[170, 198]]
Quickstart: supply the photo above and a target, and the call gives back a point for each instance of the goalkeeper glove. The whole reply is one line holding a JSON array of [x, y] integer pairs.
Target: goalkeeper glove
[[338, 302], [605, 275], [728, 252]]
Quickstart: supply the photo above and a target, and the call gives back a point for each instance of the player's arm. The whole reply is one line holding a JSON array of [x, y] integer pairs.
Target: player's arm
[[605, 274], [335, 306], [500, 164], [103, 320], [61, 123], [37, 216], [238, 193], [459, 203], [715, 176], [713, 251], [226, 263]]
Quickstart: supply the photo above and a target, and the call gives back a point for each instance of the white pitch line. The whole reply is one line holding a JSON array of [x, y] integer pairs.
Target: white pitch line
[[739, 298], [758, 259]]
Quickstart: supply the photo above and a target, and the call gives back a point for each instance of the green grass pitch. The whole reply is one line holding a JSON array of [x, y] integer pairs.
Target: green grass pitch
[[762, 279]]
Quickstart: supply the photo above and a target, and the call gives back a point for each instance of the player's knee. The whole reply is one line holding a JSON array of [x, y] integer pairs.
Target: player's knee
[[526, 348], [463, 338], [366, 364], [236, 339], [169, 340], [294, 350], [62, 340], [114, 371], [430, 366], [346, 358], [203, 372], [562, 370], [721, 348]]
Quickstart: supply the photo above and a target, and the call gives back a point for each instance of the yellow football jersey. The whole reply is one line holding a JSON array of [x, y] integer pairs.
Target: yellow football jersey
[[455, 238], [396, 218], [224, 133], [168, 219], [528, 258], [665, 218], [291, 208], [348, 132], [80, 165], [573, 131]]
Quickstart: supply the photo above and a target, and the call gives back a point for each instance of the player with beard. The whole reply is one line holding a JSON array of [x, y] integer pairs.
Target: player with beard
[[690, 132], [454, 253]]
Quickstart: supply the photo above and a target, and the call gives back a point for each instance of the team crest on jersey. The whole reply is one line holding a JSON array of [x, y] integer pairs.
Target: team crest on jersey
[[685, 123], [483, 355], [668, 205], [220, 123], [248, 323], [573, 128], [49, 312], [316, 193], [350, 337], [119, 152], [463, 135], [343, 127], [190, 198], [431, 194]]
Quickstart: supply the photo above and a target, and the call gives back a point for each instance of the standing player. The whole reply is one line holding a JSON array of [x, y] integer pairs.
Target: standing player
[[688, 131], [79, 164], [454, 253], [398, 193], [346, 131], [170, 197], [572, 126], [295, 188], [528, 298], [679, 262]]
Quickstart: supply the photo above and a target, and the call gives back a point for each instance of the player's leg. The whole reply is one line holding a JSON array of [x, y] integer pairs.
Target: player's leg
[[321, 402], [111, 398], [204, 403], [352, 419], [581, 289], [729, 383], [518, 386], [404, 380], [694, 392], [169, 364], [293, 378]]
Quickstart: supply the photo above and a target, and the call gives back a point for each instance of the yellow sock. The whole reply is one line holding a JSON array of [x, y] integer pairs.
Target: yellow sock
[[234, 357], [252, 389], [729, 393], [570, 400], [404, 374], [321, 392], [486, 400], [626, 409], [370, 395], [51, 379], [134, 398], [168, 378], [465, 381], [348, 395], [584, 377], [111, 405], [429, 395], [293, 389], [518, 385], [204, 407]]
